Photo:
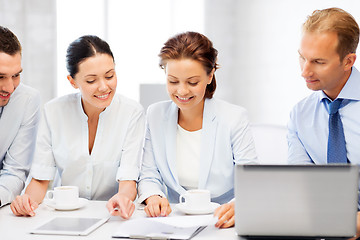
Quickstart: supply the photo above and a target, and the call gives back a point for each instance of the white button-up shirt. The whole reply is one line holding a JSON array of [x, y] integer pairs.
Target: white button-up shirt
[[18, 127], [62, 145]]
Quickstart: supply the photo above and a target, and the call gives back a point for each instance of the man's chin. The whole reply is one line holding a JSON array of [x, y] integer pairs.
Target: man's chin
[[313, 87]]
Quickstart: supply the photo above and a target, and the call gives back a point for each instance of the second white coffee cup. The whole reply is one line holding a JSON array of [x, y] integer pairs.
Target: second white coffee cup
[[196, 198], [64, 195]]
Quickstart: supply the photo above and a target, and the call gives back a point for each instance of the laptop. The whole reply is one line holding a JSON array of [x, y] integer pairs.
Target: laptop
[[296, 200]]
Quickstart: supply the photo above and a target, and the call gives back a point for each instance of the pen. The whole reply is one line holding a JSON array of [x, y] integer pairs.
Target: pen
[[147, 237], [110, 214], [114, 210]]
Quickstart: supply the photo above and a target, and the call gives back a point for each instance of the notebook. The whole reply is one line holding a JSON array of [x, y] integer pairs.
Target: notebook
[[178, 227], [296, 200]]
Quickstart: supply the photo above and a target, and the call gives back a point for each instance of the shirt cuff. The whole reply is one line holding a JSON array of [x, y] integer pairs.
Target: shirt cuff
[[146, 195], [5, 197], [41, 172], [148, 188], [127, 173]]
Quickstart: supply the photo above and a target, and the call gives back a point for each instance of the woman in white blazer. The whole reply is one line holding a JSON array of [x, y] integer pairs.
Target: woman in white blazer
[[192, 141]]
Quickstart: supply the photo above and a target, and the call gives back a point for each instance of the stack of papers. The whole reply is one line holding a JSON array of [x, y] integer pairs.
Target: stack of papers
[[181, 227]]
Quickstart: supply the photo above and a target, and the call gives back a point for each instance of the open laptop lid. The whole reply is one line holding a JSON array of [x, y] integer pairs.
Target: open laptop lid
[[296, 200]]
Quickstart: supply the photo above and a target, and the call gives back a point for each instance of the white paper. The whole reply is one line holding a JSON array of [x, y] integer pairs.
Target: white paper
[[180, 227], [188, 221]]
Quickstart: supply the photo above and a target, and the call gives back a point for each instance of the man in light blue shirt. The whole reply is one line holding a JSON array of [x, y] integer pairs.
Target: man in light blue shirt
[[19, 117], [327, 54]]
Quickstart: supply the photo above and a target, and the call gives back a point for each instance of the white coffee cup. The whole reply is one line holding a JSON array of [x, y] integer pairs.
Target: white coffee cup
[[196, 198], [64, 195]]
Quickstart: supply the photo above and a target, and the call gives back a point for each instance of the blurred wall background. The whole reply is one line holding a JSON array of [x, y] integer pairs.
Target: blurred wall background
[[34, 23], [257, 42]]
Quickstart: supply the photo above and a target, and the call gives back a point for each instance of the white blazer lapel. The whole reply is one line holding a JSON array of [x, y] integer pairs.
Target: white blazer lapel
[[208, 138], [170, 125]]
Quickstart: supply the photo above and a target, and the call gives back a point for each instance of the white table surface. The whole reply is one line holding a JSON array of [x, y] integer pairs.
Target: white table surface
[[12, 227]]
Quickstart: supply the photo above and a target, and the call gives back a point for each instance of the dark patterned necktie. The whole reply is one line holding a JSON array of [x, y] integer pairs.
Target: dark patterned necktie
[[336, 152]]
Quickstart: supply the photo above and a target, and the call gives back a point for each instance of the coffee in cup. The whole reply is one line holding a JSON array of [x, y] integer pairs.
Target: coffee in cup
[[196, 198], [64, 195]]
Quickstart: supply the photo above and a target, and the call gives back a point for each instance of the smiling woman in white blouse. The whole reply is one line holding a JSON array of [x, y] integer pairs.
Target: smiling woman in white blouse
[[194, 140], [92, 138]]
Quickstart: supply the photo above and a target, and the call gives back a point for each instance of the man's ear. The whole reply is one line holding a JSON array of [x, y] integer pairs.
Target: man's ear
[[72, 82], [349, 61]]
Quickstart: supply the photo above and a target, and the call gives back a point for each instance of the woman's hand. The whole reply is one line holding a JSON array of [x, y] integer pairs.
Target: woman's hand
[[226, 215], [23, 206], [357, 228], [157, 206], [120, 205]]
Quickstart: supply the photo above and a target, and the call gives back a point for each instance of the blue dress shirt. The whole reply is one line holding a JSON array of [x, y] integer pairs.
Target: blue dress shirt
[[308, 128]]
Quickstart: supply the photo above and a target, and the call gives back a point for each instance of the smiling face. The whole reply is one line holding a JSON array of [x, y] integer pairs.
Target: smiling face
[[97, 81], [186, 83], [10, 69], [320, 63]]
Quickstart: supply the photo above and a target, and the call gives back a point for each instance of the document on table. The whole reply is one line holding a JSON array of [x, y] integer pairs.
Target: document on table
[[180, 227]]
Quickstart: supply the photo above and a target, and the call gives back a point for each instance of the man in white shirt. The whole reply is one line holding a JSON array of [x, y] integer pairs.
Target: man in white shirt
[[19, 117]]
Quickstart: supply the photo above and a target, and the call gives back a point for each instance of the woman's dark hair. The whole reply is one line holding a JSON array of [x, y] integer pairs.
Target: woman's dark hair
[[195, 46], [83, 48]]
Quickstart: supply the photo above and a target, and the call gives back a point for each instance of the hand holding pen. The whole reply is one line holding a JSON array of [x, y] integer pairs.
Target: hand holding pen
[[120, 205]]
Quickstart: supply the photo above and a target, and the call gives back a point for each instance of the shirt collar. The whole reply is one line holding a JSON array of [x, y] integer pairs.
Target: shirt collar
[[350, 91], [81, 109]]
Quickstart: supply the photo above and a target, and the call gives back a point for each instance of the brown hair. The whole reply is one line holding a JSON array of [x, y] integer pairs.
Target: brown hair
[[195, 46], [338, 21], [9, 43]]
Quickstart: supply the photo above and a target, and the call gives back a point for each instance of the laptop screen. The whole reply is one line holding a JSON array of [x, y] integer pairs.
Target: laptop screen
[[296, 200]]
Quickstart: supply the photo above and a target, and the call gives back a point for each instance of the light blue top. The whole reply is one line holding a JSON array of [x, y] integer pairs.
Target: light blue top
[[226, 140], [308, 128], [18, 128]]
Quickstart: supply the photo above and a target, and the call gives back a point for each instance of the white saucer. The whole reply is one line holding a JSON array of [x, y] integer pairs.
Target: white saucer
[[207, 210], [81, 203]]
